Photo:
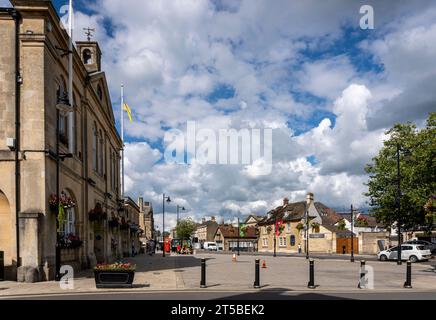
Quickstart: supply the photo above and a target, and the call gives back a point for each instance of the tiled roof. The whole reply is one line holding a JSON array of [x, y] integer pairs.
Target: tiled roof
[[232, 232], [291, 212], [372, 221], [296, 212], [207, 223]]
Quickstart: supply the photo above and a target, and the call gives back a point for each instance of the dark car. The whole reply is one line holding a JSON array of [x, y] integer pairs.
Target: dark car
[[427, 245]]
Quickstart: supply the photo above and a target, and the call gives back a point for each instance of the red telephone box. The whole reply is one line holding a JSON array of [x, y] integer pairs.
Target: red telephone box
[[167, 245]]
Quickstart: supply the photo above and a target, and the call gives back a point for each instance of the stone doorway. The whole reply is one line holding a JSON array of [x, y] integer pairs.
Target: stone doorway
[[7, 234], [99, 242]]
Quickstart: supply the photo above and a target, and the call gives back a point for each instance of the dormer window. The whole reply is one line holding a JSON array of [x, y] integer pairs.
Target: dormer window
[[87, 56]]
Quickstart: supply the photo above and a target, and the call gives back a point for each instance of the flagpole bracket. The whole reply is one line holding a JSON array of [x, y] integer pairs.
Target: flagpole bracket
[[64, 51]]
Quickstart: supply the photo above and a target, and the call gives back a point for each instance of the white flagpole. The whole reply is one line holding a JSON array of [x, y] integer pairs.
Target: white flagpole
[[71, 116], [122, 140]]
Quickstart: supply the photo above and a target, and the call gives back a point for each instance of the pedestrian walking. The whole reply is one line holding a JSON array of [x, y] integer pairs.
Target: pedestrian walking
[[299, 248]]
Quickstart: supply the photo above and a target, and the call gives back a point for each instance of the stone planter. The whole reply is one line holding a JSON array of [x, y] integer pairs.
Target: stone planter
[[113, 279]]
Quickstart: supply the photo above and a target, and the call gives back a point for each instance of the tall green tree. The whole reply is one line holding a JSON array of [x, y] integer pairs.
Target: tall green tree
[[185, 228], [418, 175]]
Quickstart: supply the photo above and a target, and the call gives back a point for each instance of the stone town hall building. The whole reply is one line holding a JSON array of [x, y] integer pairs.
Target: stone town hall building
[[33, 75]]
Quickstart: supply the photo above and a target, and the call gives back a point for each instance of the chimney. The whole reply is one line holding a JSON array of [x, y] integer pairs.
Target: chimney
[[309, 198], [203, 220], [285, 201], [213, 219]]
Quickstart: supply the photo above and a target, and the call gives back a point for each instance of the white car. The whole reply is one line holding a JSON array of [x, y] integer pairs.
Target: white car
[[211, 246], [410, 252]]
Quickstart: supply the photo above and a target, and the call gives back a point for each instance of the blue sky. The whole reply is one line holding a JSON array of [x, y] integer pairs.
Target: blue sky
[[327, 88]]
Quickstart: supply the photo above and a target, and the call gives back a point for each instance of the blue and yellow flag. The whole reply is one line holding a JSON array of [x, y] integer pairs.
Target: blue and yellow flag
[[128, 110]]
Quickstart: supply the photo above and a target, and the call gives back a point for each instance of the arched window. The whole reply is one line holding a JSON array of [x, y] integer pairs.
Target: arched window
[[63, 118], [101, 155], [293, 241], [69, 224], [94, 147], [74, 124], [111, 169], [87, 56], [99, 92]]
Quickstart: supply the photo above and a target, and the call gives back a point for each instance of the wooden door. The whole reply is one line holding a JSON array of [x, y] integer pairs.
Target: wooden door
[[343, 245]]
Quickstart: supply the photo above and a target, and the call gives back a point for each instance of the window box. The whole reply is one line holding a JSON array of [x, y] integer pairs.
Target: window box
[[113, 279]]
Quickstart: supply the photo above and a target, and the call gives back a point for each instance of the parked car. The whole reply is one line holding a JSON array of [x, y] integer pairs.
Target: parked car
[[411, 252], [427, 245], [211, 246]]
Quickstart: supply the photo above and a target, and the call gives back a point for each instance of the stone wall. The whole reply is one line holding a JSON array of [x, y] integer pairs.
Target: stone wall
[[368, 241], [43, 69], [7, 130], [288, 232]]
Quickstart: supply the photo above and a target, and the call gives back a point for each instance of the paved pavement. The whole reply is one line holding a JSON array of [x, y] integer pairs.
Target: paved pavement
[[261, 295], [179, 277]]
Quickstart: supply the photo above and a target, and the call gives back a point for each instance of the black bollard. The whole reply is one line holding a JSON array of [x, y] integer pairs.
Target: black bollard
[[362, 279], [203, 273], [2, 266], [408, 283], [311, 284], [257, 274]]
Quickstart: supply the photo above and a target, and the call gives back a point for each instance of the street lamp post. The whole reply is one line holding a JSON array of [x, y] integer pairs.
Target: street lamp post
[[398, 205], [352, 233], [275, 236], [307, 228], [239, 235], [178, 209], [167, 199], [62, 105]]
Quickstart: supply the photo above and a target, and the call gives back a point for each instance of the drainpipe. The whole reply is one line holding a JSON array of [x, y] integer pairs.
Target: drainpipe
[[18, 81]]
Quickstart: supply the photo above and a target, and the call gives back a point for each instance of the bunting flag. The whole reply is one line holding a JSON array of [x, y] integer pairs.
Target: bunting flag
[[279, 225], [128, 110], [61, 217], [242, 230]]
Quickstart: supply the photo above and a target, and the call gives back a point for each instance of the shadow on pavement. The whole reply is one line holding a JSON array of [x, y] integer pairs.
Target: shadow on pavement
[[146, 263], [281, 294]]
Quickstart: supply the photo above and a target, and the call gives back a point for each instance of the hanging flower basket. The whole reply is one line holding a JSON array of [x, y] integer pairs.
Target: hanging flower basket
[[280, 227], [64, 201], [124, 226], [300, 226], [113, 223], [269, 229], [70, 242], [315, 227], [361, 222], [97, 214]]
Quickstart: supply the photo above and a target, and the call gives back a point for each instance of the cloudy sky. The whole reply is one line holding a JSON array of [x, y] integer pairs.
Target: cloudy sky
[[303, 68]]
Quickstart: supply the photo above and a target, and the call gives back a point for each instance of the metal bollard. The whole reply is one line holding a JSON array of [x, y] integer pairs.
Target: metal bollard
[[311, 284], [203, 273], [362, 280], [2, 266], [257, 274], [408, 283]]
